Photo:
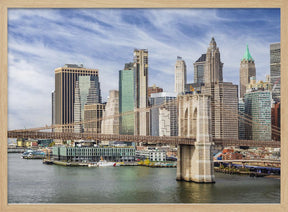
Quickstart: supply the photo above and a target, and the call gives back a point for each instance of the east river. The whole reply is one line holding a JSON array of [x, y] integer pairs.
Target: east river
[[30, 181]]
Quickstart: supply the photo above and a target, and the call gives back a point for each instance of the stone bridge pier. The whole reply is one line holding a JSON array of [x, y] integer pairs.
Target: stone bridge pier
[[195, 162]]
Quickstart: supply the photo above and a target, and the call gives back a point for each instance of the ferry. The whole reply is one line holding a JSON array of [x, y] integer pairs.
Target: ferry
[[33, 154]]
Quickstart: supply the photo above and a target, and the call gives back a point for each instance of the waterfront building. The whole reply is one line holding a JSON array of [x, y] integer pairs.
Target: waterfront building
[[126, 100], [154, 89], [180, 76], [258, 109], [65, 82], [275, 70], [247, 70], [110, 122], [241, 122], [141, 95], [159, 116], [224, 95], [157, 155], [93, 112], [93, 153]]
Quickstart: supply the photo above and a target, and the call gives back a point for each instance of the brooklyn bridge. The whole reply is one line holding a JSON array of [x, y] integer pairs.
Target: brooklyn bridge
[[194, 143]]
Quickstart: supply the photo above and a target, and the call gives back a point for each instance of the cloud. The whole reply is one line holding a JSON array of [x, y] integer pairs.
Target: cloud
[[40, 40]]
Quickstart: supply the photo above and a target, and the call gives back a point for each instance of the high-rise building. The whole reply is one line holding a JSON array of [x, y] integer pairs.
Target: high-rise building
[[158, 115], [110, 122], [213, 70], [199, 66], [275, 70], [247, 70], [65, 83], [224, 96], [93, 112], [224, 109], [241, 122], [275, 121], [154, 89], [87, 92], [53, 107], [141, 93], [258, 108], [126, 100], [180, 75]]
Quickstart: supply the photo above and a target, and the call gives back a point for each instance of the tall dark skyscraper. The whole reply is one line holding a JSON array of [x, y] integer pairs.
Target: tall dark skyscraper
[[65, 82], [199, 66], [275, 70], [247, 70]]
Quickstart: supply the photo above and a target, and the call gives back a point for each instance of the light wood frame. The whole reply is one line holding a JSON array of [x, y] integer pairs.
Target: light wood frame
[[6, 4]]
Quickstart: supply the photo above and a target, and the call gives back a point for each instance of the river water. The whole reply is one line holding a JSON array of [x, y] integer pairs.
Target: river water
[[30, 181]]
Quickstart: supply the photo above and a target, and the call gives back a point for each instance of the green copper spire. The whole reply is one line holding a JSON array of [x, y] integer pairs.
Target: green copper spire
[[247, 55]]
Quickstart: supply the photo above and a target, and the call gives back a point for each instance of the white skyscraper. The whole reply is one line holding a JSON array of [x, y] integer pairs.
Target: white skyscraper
[[180, 76]]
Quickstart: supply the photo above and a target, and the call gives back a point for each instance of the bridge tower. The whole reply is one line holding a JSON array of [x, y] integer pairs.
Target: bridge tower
[[195, 162]]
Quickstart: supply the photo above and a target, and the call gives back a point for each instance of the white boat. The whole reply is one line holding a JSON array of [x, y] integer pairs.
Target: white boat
[[92, 165], [104, 163]]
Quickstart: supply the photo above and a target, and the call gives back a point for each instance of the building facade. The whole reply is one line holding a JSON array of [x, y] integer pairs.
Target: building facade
[[247, 70], [87, 92], [154, 89], [93, 112], [241, 122], [141, 126], [93, 154], [199, 67], [275, 120], [180, 76], [126, 100], [163, 107], [258, 108], [110, 122], [275, 70]]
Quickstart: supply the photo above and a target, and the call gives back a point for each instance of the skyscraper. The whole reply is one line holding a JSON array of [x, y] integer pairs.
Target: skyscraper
[[213, 70], [87, 92], [180, 76], [199, 66], [258, 106], [275, 70], [126, 100], [110, 122], [141, 94], [247, 70], [224, 96], [158, 115], [65, 82]]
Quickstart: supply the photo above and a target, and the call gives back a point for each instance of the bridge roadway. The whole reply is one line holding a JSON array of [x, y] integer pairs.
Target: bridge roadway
[[175, 140]]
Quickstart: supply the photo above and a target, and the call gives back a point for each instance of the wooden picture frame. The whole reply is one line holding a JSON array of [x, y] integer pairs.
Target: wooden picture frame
[[6, 4]]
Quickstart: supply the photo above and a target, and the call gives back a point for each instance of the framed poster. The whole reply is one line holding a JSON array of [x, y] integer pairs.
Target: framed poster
[[39, 37]]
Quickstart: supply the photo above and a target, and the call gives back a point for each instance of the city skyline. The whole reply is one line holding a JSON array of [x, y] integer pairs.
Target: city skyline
[[73, 35]]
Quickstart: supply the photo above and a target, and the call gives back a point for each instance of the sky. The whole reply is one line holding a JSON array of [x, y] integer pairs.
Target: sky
[[41, 40]]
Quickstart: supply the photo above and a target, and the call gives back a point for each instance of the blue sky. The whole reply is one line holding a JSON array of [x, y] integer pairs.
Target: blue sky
[[40, 40]]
